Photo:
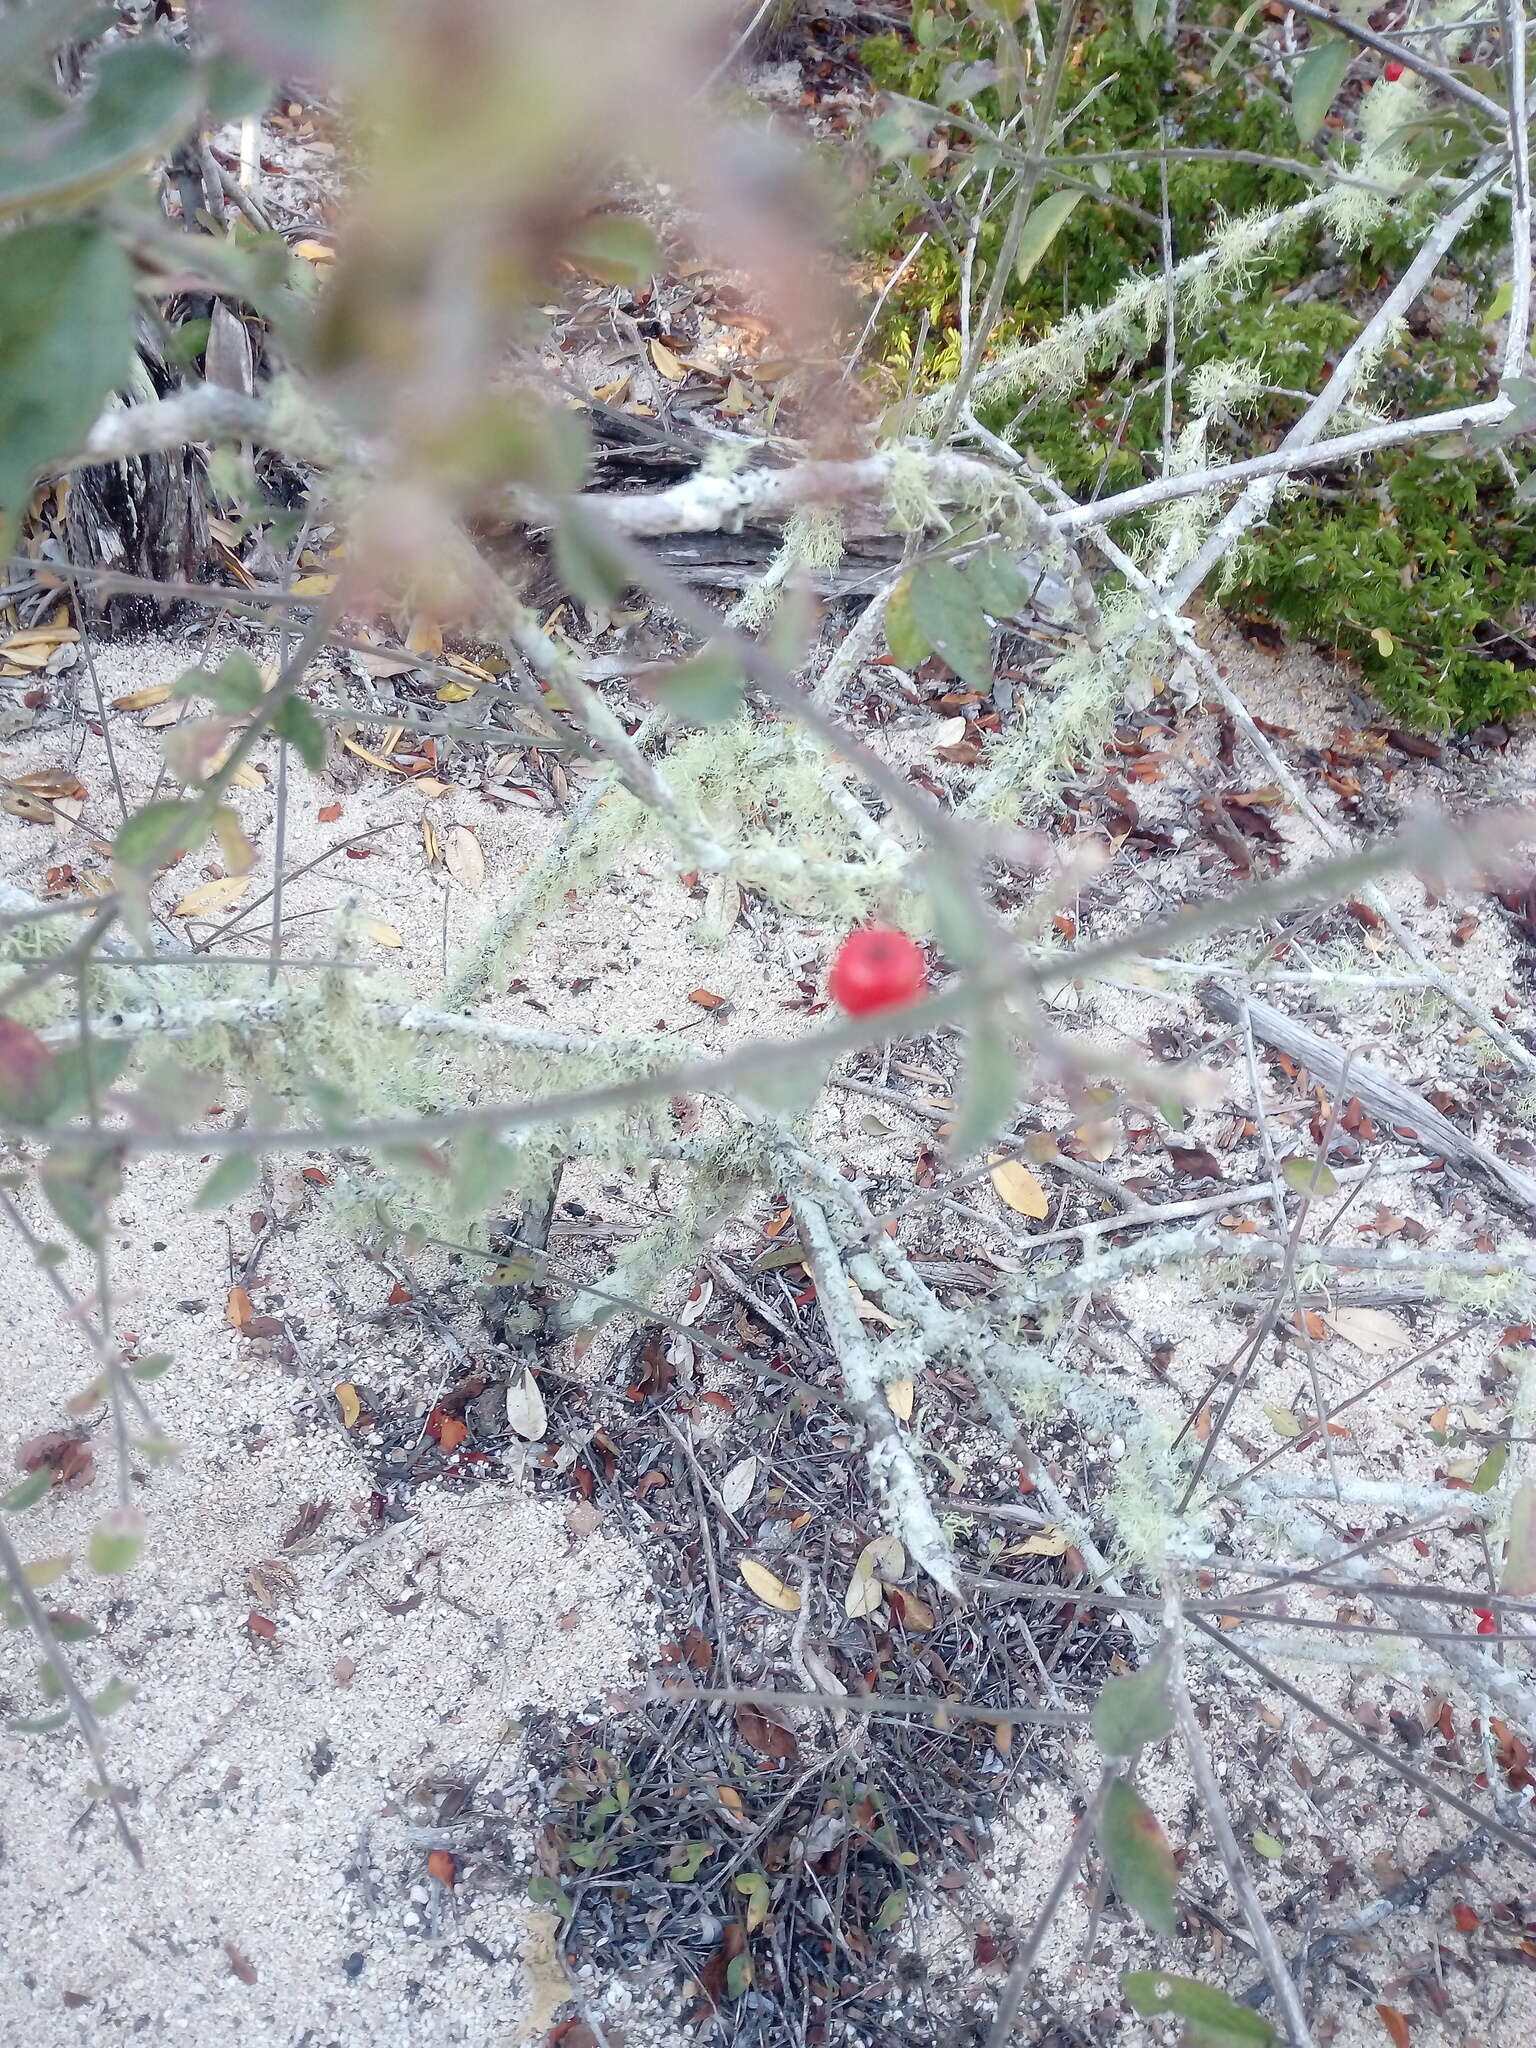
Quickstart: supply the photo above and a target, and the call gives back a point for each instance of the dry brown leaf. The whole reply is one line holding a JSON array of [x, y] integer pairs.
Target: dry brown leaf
[[865, 1594], [222, 893], [1048, 1543], [24, 657], [909, 1609], [380, 662], [165, 714], [614, 393], [899, 1397], [769, 1588], [736, 1487], [141, 700], [238, 1309], [467, 667], [348, 1401], [1370, 1330], [1017, 1186], [463, 859], [667, 363], [425, 636], [525, 1407], [947, 733], [430, 786], [382, 934]]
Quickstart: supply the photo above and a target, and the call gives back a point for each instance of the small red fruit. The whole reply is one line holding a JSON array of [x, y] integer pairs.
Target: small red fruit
[[1486, 1625], [878, 968], [1392, 72]]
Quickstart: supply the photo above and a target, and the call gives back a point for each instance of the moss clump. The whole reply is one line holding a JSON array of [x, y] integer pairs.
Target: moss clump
[[1418, 565]]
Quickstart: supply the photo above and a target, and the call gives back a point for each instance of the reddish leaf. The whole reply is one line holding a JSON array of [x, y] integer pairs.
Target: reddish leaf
[[26, 1067], [1196, 1161], [1396, 2024], [261, 1625], [399, 1294], [328, 813], [440, 1864]]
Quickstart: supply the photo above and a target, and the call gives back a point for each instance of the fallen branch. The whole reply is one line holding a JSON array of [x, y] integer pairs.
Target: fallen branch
[[1385, 1098]]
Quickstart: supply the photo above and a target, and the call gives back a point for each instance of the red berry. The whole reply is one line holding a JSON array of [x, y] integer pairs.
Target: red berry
[[877, 969], [1486, 1625], [1392, 72]]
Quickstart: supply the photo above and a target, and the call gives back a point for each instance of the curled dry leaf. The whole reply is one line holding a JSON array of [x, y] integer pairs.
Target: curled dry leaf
[[463, 859], [766, 1733], [899, 1397], [736, 1487], [142, 700], [348, 1401], [223, 893], [769, 1588], [526, 1413], [1017, 1186], [238, 1308], [667, 363]]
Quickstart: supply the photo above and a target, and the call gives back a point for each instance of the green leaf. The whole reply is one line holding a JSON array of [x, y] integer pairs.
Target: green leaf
[[1499, 304], [1224, 2023], [151, 1368], [298, 725], [46, 1571], [616, 248], [146, 94], [1239, 30], [1133, 1711], [1139, 1858], [892, 1913], [989, 1087], [998, 581], [231, 1177], [900, 127], [106, 1059], [67, 1182], [71, 1628], [158, 832], [1046, 222], [706, 690], [1309, 1176], [45, 1724], [1519, 1574], [738, 1976], [235, 686], [1144, 18], [903, 635], [1268, 1847], [116, 1541], [114, 1695], [687, 1858], [29, 1492], [545, 1891], [951, 620], [587, 567], [1315, 86], [1491, 1470], [232, 88], [66, 342], [29, 34]]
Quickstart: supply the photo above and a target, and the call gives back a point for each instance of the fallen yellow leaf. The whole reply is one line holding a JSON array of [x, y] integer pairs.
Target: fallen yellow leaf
[[463, 859], [349, 1404], [1017, 1186], [141, 700], [899, 1396], [667, 364], [314, 586], [220, 894], [315, 252], [455, 693], [425, 636], [382, 934], [765, 1585]]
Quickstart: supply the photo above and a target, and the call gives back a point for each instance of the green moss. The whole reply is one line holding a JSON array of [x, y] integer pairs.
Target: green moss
[[1415, 565]]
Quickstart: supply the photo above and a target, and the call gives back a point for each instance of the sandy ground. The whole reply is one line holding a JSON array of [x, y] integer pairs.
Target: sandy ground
[[294, 1724]]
